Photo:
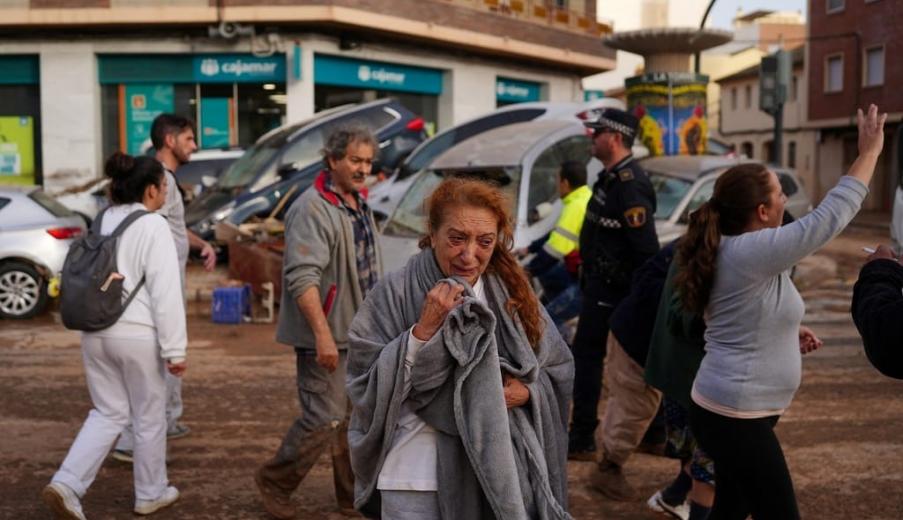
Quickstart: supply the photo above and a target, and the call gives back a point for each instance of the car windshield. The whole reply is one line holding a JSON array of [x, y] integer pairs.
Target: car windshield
[[409, 218], [669, 192], [243, 171]]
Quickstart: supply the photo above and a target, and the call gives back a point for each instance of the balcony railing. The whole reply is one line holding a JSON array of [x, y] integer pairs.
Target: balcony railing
[[540, 12]]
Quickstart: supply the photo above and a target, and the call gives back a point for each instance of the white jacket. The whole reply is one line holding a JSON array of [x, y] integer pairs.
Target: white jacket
[[158, 310]]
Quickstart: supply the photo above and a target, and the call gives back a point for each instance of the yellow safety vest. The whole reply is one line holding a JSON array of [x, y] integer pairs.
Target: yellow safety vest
[[564, 239]]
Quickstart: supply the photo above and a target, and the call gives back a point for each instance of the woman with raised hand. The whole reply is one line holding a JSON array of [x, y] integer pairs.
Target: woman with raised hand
[[734, 269]]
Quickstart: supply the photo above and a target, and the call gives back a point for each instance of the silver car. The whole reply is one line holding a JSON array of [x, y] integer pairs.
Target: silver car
[[523, 159], [35, 233], [683, 183]]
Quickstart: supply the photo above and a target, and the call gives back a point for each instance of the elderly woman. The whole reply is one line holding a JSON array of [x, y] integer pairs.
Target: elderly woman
[[459, 380]]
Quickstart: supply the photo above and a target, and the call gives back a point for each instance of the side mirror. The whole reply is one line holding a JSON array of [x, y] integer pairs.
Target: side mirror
[[287, 169]]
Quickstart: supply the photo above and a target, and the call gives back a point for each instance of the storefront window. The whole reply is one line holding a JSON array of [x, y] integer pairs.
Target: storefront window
[[20, 120]]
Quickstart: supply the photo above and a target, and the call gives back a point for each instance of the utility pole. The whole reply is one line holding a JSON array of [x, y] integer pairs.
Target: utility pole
[[774, 82]]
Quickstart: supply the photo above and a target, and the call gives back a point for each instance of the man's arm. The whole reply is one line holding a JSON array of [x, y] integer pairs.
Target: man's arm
[[877, 310], [207, 252], [310, 306]]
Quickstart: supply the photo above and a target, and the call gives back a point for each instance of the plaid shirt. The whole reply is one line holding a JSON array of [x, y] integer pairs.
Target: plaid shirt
[[364, 239]]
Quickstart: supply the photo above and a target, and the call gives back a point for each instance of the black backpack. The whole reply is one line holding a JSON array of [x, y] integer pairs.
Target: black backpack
[[90, 291]]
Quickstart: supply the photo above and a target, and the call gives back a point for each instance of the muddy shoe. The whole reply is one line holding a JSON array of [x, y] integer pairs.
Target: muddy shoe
[[149, 507], [62, 501], [609, 480], [275, 501]]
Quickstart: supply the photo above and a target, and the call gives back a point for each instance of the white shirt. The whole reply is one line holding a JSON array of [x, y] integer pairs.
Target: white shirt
[[411, 462], [146, 248]]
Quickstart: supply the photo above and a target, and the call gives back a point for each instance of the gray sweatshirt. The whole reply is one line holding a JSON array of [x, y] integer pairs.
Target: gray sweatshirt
[[752, 361]]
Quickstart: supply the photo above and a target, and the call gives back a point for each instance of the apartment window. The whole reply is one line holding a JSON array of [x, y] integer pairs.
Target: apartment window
[[791, 155], [747, 149], [873, 75], [561, 4], [733, 98], [834, 6], [834, 73], [794, 87], [747, 102]]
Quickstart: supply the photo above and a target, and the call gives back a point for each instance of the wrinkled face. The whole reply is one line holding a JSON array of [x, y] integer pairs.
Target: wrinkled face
[[350, 172], [464, 242], [772, 213], [155, 196], [183, 145]]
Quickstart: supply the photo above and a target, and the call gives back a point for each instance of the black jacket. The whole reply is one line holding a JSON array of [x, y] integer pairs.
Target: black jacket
[[878, 313]]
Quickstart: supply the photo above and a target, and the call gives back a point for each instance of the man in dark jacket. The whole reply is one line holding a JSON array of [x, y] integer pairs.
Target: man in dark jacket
[[878, 311]]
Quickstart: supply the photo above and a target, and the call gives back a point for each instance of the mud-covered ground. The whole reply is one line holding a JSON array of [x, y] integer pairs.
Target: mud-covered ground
[[843, 435]]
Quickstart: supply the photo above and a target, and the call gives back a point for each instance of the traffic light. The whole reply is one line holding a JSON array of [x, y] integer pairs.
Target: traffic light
[[774, 81]]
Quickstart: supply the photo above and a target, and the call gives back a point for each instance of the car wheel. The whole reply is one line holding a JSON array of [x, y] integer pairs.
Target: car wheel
[[23, 291]]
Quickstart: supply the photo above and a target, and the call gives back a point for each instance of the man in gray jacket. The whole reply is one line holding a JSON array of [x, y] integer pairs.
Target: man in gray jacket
[[331, 260]]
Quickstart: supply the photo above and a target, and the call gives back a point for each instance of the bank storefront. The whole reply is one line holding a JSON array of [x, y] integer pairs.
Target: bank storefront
[[509, 91], [20, 116], [339, 80], [234, 98]]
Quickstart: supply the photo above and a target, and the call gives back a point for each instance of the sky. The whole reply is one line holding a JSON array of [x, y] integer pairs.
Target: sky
[[724, 10]]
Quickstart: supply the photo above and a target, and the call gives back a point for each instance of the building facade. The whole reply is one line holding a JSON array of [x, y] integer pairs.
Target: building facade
[[751, 131], [852, 47], [79, 80]]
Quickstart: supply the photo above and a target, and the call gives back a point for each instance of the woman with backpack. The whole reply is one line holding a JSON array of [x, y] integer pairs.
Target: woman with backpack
[[125, 362], [734, 269]]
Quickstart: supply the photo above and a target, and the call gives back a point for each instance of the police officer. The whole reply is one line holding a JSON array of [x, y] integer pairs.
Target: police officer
[[618, 235]]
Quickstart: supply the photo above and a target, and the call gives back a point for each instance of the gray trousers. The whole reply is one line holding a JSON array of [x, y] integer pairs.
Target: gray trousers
[[322, 425], [409, 505]]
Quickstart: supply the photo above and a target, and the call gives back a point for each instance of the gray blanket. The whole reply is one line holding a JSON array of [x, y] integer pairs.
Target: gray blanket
[[487, 467]]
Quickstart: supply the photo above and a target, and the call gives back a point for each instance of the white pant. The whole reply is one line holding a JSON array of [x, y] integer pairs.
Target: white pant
[[126, 441], [125, 380]]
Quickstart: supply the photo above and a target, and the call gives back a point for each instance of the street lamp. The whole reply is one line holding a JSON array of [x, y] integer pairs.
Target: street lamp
[[701, 27]]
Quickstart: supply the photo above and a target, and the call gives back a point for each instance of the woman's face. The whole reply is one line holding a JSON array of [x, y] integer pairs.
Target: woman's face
[[464, 242], [155, 196], [772, 213]]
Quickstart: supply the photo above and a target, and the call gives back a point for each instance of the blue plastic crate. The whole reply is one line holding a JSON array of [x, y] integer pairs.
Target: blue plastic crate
[[231, 304]]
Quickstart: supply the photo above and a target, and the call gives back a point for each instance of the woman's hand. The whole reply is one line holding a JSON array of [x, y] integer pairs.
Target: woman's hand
[[176, 369], [809, 342], [441, 299], [871, 131], [882, 251], [516, 393]]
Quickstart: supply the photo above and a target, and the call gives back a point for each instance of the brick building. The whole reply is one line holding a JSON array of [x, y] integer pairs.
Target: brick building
[[67, 66], [853, 60]]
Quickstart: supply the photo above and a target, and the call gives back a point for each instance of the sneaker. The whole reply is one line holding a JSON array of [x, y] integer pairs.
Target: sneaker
[[123, 456], [582, 449], [658, 504], [609, 480], [275, 501], [62, 501], [177, 431], [146, 507]]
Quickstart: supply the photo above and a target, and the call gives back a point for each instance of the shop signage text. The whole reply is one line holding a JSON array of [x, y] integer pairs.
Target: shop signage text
[[516, 91], [348, 72]]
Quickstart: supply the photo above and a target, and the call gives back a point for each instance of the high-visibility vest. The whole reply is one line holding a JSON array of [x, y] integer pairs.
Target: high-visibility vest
[[564, 239]]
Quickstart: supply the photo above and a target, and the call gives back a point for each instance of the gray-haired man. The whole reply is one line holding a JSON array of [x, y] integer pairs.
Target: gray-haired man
[[331, 261]]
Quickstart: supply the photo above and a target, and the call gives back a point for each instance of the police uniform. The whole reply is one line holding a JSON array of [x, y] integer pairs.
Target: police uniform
[[618, 235]]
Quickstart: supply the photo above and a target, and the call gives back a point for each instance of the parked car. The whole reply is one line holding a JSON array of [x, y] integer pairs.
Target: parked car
[[522, 158], [384, 197], [290, 156], [684, 182], [35, 233], [201, 172]]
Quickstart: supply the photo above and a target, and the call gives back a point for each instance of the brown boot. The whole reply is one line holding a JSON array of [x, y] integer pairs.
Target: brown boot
[[275, 501], [609, 480]]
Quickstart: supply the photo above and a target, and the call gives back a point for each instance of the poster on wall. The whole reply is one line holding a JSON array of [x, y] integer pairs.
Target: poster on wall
[[17, 161], [215, 127], [143, 103], [671, 108]]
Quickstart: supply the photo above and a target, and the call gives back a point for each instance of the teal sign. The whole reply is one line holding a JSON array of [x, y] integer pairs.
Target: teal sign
[[142, 104], [19, 70], [214, 127], [238, 68], [190, 68], [377, 75], [516, 91], [592, 95]]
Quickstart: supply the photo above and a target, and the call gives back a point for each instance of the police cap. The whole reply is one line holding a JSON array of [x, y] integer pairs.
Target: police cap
[[614, 119]]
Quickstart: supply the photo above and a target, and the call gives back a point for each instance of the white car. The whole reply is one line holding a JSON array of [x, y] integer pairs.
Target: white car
[[385, 196], [523, 159], [35, 234], [896, 221]]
